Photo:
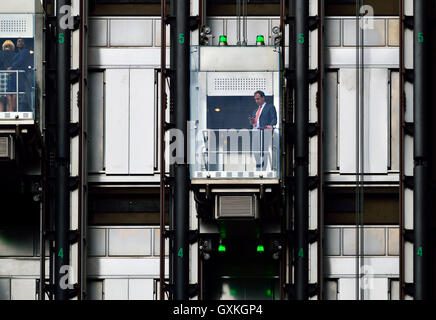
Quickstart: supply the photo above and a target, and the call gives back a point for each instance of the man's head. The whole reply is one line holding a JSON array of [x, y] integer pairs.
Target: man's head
[[8, 45], [20, 44], [259, 97]]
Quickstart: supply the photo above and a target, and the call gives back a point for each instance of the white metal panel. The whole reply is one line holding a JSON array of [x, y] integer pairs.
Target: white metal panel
[[116, 289], [386, 57], [5, 289], [333, 32], [331, 122], [23, 289], [117, 121], [346, 289], [140, 289], [332, 242], [331, 290], [126, 57], [157, 31], [129, 241], [257, 27], [131, 32], [217, 29], [96, 242], [347, 123], [142, 121], [234, 58], [375, 120], [95, 121], [20, 267], [408, 261], [340, 266], [98, 32], [371, 37], [94, 290], [143, 267]]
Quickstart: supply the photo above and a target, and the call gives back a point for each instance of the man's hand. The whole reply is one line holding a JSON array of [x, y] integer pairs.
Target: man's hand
[[251, 120], [268, 127]]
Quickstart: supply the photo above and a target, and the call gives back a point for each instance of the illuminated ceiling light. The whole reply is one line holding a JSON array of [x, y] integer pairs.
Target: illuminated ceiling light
[[217, 109], [223, 40], [260, 40]]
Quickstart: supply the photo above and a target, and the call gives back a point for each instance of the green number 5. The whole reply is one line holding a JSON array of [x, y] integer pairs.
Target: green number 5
[[420, 37], [301, 38], [181, 38], [61, 38]]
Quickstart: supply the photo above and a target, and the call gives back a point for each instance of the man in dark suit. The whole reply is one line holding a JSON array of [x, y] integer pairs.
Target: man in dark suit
[[265, 116]]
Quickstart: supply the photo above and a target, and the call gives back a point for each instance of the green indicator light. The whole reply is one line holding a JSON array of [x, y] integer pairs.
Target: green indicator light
[[223, 39], [260, 248], [233, 292], [260, 38], [268, 292], [221, 248]]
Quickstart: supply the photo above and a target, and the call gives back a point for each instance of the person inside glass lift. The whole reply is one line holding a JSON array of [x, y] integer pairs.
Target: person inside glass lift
[[23, 61], [265, 116], [6, 59]]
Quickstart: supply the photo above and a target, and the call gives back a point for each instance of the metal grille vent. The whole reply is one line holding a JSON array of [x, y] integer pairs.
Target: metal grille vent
[[240, 84], [4, 147], [13, 25], [236, 206]]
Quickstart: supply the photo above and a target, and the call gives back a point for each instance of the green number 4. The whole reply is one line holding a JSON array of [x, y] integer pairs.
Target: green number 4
[[180, 254], [420, 37], [61, 38], [419, 253], [61, 253], [181, 38], [301, 38]]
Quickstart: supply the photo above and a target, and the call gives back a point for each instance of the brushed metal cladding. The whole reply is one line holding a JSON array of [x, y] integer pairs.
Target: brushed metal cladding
[[156, 243], [373, 57], [98, 33], [394, 289], [117, 121], [332, 241], [145, 267], [257, 27], [116, 289], [394, 141], [333, 32], [5, 289], [393, 32], [129, 241], [19, 267], [378, 291], [331, 290], [94, 289], [141, 122], [371, 37], [16, 242], [375, 120], [346, 266], [23, 289], [96, 242], [131, 32], [331, 122], [125, 57], [157, 38], [96, 122], [374, 241], [239, 59], [21, 6], [217, 29], [393, 241], [140, 289]]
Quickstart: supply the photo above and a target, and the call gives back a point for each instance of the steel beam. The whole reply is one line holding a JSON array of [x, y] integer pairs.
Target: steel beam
[[301, 226], [62, 201], [181, 172], [421, 150]]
